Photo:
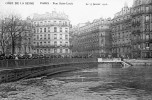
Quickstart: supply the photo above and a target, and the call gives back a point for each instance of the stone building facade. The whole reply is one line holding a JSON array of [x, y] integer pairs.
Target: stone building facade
[[92, 39], [51, 34], [121, 33], [141, 29]]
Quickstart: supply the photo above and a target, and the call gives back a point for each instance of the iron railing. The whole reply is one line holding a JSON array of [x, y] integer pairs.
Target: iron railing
[[11, 63]]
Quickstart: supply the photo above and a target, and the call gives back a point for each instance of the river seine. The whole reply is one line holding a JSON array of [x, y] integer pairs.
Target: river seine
[[98, 82]]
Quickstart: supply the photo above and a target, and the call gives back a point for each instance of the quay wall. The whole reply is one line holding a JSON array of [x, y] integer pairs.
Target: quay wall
[[13, 70]]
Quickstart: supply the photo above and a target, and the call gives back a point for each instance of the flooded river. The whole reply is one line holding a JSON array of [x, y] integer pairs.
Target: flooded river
[[97, 82]]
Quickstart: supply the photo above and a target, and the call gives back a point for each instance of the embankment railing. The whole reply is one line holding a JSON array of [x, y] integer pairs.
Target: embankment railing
[[11, 63]]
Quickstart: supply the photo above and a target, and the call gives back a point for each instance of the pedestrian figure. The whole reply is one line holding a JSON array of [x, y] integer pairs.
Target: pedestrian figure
[[16, 61]]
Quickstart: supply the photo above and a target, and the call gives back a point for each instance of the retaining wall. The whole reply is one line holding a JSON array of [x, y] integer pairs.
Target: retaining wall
[[12, 70]]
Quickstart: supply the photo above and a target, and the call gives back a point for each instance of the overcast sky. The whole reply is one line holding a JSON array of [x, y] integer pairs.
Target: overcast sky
[[79, 11]]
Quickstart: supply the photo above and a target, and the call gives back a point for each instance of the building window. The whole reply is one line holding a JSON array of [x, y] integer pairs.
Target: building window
[[40, 43], [40, 30], [60, 29], [60, 36], [37, 50], [66, 29], [44, 29], [45, 36], [147, 36], [150, 35], [150, 46], [48, 36], [143, 46], [55, 50], [34, 23], [147, 9], [48, 50], [55, 43], [60, 43], [34, 30], [29, 40], [139, 47], [55, 29], [37, 43], [48, 29], [147, 18], [66, 37], [66, 43], [37, 30], [55, 36], [60, 22], [37, 37], [65, 23], [147, 46], [60, 50], [41, 51], [147, 27], [66, 50], [143, 36]]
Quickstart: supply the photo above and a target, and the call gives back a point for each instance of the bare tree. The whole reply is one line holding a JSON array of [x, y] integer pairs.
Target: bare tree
[[4, 38], [14, 28]]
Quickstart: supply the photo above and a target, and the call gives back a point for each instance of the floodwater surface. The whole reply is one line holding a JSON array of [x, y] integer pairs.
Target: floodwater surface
[[98, 82]]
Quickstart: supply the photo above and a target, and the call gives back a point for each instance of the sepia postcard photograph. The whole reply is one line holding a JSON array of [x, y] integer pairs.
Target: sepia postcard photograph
[[76, 50]]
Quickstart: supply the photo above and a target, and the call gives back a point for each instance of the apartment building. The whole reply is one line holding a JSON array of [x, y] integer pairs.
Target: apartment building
[[51, 34]]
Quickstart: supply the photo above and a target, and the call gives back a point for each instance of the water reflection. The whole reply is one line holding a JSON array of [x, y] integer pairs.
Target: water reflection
[[98, 82], [133, 77], [134, 80]]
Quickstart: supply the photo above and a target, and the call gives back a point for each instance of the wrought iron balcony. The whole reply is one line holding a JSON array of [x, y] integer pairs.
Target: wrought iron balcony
[[137, 13], [51, 24], [51, 46]]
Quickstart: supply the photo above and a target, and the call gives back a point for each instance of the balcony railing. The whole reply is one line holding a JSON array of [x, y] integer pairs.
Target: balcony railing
[[52, 24], [51, 46], [21, 63], [141, 12]]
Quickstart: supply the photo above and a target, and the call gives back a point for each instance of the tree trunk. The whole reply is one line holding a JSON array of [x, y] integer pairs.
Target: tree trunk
[[3, 49], [25, 49], [13, 46]]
